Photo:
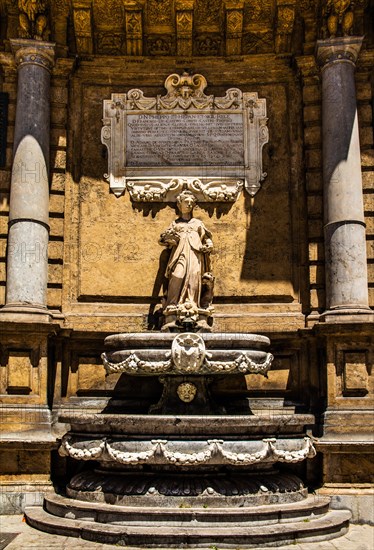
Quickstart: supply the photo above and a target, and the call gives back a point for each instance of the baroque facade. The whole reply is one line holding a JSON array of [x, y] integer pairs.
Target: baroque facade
[[293, 256]]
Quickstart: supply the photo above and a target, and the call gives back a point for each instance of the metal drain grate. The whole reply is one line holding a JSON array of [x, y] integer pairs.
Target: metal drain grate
[[6, 538]]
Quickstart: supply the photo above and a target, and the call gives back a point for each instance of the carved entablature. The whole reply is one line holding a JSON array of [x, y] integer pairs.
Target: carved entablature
[[185, 139]]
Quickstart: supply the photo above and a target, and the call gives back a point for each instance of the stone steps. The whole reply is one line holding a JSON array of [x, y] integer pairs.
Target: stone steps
[[224, 531], [304, 510]]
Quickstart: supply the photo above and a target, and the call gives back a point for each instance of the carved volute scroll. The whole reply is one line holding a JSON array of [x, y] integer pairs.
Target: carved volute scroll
[[185, 139]]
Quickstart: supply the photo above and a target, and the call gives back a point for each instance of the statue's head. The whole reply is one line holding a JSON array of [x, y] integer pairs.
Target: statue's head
[[186, 201]]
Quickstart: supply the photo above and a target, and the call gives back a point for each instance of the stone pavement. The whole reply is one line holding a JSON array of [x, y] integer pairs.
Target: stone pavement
[[15, 534]]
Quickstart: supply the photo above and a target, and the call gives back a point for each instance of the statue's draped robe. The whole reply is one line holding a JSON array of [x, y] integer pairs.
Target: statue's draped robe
[[187, 263]]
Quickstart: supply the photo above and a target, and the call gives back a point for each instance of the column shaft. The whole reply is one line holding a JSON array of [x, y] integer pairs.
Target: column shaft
[[346, 268], [27, 259]]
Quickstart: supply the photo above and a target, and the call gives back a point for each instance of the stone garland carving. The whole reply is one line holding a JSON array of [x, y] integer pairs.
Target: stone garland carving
[[132, 458], [215, 191], [212, 451], [190, 94], [245, 459], [187, 459], [243, 364], [133, 365], [237, 168], [308, 451], [80, 453]]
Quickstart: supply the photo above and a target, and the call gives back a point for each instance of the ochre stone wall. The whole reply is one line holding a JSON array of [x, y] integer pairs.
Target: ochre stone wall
[[111, 245]]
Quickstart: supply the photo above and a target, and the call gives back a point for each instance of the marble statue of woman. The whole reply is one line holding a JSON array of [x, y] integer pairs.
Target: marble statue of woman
[[190, 244]]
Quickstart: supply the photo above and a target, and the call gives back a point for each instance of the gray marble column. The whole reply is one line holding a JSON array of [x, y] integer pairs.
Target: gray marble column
[[27, 256], [344, 225]]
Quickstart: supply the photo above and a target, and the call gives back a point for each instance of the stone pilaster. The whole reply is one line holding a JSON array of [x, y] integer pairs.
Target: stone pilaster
[[134, 28], [184, 24], [234, 26], [82, 18], [27, 258], [344, 226]]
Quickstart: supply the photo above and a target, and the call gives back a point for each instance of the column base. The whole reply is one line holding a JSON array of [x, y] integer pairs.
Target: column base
[[356, 497], [25, 474], [348, 315], [25, 313], [16, 495]]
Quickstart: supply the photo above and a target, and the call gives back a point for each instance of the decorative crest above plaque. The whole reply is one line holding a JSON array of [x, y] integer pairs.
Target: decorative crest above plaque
[[158, 146]]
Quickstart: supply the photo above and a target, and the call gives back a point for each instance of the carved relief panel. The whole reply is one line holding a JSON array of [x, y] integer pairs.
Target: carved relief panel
[[185, 139]]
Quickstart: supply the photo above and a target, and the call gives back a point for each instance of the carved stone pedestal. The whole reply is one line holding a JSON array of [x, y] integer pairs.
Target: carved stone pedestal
[[163, 481], [183, 480]]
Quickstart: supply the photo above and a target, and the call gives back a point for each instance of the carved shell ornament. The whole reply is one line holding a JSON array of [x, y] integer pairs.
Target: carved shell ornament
[[185, 85]]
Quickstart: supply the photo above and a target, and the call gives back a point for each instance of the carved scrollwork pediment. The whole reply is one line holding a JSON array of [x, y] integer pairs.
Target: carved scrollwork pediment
[[185, 139]]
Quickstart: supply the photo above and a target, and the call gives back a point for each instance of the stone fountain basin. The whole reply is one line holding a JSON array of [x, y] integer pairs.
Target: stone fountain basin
[[221, 340], [269, 422], [149, 354]]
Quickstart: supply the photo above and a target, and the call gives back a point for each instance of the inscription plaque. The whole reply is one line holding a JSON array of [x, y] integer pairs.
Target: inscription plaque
[[158, 146], [185, 140]]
